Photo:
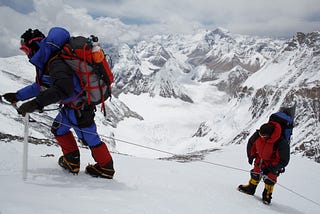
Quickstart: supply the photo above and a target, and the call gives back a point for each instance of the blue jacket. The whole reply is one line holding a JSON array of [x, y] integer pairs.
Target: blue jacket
[[54, 80]]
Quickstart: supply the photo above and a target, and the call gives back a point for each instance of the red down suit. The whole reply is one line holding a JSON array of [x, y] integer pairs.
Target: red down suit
[[272, 153]]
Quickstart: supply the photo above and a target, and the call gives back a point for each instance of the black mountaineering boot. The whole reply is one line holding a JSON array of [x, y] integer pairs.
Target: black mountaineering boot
[[70, 162], [106, 171]]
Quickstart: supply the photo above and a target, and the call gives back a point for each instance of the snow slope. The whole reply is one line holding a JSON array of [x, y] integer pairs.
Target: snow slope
[[143, 185]]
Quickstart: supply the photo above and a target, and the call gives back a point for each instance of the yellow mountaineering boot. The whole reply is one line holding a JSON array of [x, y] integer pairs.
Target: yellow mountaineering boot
[[267, 192], [250, 188]]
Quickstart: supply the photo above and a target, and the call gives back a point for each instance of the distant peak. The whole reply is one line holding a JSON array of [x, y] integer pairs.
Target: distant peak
[[311, 40], [220, 30]]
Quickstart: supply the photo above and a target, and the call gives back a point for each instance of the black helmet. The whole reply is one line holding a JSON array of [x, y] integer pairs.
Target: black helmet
[[29, 41]]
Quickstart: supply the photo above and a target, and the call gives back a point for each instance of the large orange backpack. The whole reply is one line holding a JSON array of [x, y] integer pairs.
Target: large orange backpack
[[88, 61]]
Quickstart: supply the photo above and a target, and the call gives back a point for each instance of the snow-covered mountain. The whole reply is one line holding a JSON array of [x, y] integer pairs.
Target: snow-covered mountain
[[195, 92], [205, 56], [295, 77], [257, 75]]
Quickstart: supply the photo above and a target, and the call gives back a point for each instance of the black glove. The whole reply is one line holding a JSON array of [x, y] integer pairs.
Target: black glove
[[11, 97], [269, 169], [250, 160], [29, 107]]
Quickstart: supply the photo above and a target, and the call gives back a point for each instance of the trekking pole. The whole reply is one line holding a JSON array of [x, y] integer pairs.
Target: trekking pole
[[25, 147]]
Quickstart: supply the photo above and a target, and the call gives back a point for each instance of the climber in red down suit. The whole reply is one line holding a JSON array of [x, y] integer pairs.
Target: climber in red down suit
[[271, 153]]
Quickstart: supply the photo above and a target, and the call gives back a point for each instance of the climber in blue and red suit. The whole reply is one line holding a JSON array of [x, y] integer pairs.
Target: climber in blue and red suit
[[57, 83]]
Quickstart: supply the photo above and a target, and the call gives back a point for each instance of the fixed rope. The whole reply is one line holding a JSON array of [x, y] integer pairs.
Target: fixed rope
[[173, 154], [170, 153]]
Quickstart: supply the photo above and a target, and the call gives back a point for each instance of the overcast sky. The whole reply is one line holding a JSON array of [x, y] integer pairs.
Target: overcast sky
[[128, 20]]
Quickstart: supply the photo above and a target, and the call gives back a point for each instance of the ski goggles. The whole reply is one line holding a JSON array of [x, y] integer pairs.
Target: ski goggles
[[24, 46], [25, 49]]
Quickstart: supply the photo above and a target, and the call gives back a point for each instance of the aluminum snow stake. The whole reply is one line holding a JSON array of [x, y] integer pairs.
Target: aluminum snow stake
[[25, 147]]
